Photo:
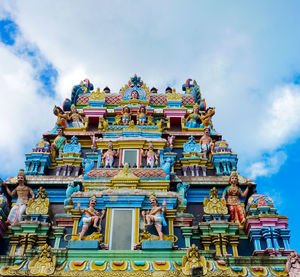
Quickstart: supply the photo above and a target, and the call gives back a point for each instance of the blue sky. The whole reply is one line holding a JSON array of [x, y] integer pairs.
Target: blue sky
[[244, 56]]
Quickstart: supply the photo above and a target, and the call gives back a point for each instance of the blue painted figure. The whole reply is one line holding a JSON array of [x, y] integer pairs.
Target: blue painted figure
[[193, 120]]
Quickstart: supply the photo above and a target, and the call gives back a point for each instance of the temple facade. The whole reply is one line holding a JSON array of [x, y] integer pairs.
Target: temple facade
[[138, 183]]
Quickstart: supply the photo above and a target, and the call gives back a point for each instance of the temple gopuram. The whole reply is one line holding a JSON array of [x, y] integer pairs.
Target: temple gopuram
[[138, 183]]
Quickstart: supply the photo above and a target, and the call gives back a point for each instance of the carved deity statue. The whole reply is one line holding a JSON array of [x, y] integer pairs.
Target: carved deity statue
[[206, 143], [293, 264], [125, 115], [90, 216], [134, 94], [193, 120], [170, 141], [75, 117], [155, 215], [62, 117], [58, 144], [206, 118], [109, 156], [214, 205], [142, 118], [23, 192], [152, 157], [233, 193]]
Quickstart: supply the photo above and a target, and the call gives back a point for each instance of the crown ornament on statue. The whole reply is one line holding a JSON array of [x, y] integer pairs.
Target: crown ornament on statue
[[153, 196], [234, 173], [21, 172], [196, 106], [93, 197]]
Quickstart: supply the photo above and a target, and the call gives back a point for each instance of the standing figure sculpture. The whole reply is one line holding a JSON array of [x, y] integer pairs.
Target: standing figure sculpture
[[142, 118], [233, 192], [206, 143], [193, 120], [152, 157], [109, 156], [125, 115], [156, 215], [58, 144], [23, 192], [89, 216], [76, 118], [293, 264]]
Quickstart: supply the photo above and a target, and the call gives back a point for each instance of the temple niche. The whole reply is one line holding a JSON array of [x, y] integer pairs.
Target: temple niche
[[138, 183]]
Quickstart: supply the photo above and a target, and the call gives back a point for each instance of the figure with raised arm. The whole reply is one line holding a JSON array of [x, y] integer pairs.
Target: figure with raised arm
[[156, 215], [62, 117], [233, 193], [89, 216], [206, 118], [206, 143], [23, 192]]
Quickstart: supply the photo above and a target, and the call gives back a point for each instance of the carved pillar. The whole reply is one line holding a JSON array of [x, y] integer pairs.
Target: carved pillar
[[255, 236], [184, 169], [64, 170], [187, 233], [69, 170], [275, 236], [170, 214], [197, 170], [13, 241], [203, 170], [77, 169], [217, 243], [76, 215], [58, 169], [58, 232], [42, 169], [234, 241], [217, 166], [191, 167], [224, 242], [27, 165], [266, 232], [206, 241], [285, 235]]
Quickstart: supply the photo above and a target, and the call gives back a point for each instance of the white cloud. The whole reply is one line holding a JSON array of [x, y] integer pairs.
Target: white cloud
[[268, 165], [21, 108]]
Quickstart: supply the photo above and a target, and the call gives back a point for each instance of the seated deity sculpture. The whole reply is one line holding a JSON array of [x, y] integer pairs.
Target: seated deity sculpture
[[23, 192], [151, 156], [206, 118], [3, 199], [142, 118], [156, 215], [233, 193], [193, 120], [206, 143], [62, 117], [109, 156], [125, 115], [89, 216], [58, 144], [75, 117]]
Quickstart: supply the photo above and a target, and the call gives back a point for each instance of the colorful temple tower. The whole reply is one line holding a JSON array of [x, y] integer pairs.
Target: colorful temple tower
[[138, 183]]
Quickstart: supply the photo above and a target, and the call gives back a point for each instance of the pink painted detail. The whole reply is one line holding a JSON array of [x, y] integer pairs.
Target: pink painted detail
[[258, 223], [174, 113], [183, 221], [101, 112]]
